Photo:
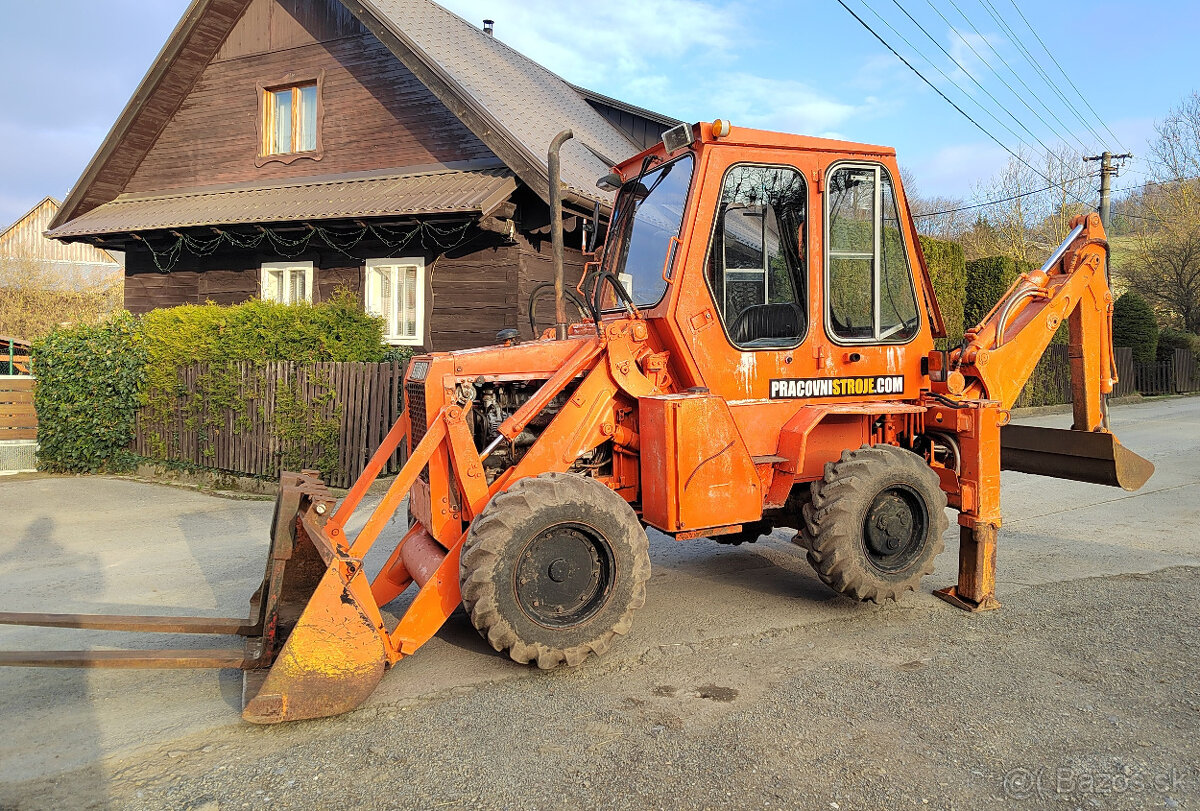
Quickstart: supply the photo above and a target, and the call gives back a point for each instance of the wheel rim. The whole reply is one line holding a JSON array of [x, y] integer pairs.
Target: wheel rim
[[564, 575], [894, 528]]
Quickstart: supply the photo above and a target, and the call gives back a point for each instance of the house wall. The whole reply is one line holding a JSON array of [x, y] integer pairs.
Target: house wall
[[376, 114], [471, 293]]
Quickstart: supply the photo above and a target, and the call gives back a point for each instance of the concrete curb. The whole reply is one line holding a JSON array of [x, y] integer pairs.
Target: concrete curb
[[222, 484]]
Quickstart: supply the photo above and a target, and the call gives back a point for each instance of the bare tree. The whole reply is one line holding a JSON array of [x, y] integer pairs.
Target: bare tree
[[36, 297], [940, 217], [1164, 219], [1176, 150], [1034, 201]]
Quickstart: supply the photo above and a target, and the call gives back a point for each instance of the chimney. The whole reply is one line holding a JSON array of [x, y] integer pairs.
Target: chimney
[[489, 27]]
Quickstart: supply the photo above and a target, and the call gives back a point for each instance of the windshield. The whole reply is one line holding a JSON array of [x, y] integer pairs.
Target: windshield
[[649, 213]]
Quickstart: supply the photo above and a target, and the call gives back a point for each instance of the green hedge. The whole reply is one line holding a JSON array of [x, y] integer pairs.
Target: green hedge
[[88, 379], [948, 269], [987, 280], [87, 409], [1135, 326]]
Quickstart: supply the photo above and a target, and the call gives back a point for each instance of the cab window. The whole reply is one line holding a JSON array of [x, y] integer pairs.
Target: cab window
[[756, 262], [870, 296]]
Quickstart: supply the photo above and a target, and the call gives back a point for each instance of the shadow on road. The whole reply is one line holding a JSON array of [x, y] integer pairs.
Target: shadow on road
[[54, 704]]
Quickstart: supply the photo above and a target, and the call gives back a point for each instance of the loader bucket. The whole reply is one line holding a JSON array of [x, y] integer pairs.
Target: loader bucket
[[1084, 456], [316, 604]]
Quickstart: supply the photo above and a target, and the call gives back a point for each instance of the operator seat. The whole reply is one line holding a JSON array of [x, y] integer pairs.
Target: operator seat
[[779, 324]]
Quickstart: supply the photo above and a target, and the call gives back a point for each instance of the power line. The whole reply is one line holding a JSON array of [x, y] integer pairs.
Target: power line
[[1074, 87], [948, 100], [966, 72], [943, 75], [996, 73], [1020, 46], [1001, 200]]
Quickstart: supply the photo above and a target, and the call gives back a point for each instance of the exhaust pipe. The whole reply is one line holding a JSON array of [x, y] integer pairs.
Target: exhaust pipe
[[556, 231]]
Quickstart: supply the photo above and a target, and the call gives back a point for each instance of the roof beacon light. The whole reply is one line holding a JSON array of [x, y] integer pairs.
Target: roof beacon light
[[721, 128], [678, 137]]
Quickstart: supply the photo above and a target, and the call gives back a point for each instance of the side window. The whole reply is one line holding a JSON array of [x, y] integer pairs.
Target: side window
[[756, 262], [870, 296]]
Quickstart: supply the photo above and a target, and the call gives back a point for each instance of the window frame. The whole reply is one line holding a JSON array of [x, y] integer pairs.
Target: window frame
[[308, 269], [292, 82], [667, 271], [389, 337], [803, 274], [881, 171]]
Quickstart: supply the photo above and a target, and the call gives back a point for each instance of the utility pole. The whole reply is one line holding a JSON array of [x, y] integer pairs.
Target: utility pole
[[1107, 172]]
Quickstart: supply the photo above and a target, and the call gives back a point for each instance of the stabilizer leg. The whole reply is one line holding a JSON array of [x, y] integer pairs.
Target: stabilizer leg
[[976, 589]]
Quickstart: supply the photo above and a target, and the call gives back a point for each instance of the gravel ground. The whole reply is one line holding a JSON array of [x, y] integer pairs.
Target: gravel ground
[[1081, 694]]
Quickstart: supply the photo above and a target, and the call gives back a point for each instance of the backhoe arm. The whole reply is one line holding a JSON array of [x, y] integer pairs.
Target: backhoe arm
[[1002, 352]]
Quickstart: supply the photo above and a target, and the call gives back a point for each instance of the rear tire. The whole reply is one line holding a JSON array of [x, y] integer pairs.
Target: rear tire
[[875, 523], [553, 569]]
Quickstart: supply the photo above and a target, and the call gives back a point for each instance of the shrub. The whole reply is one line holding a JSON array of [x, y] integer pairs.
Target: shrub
[[948, 270], [1171, 339], [1134, 326], [988, 279], [87, 395]]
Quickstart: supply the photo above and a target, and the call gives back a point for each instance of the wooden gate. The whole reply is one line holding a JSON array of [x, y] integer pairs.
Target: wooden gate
[[18, 420]]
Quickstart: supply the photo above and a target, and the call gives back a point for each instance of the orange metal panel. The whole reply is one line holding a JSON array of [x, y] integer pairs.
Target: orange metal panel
[[696, 471]]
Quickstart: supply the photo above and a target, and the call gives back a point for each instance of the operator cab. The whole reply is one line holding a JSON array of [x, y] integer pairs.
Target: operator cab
[[783, 254]]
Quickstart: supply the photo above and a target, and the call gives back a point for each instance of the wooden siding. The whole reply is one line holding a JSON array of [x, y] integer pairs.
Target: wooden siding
[[642, 131], [24, 240], [277, 25], [537, 267], [377, 114], [471, 293], [475, 295]]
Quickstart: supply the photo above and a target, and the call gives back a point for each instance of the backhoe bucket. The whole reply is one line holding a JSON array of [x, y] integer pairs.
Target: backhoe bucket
[[316, 604], [1083, 456]]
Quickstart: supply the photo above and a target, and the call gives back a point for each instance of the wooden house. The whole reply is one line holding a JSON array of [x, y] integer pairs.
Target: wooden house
[[28, 257], [287, 149]]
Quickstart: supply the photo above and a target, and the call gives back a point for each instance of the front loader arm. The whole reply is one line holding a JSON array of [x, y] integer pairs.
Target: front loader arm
[[1002, 352]]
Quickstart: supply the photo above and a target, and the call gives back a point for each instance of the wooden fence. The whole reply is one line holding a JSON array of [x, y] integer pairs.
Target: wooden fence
[[1176, 375], [1050, 383], [18, 420], [349, 408]]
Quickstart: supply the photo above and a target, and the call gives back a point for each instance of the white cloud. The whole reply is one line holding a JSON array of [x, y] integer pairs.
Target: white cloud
[[951, 170], [589, 42], [777, 104]]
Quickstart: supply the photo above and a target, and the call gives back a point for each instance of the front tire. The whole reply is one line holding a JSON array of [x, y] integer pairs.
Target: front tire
[[875, 523], [553, 569]]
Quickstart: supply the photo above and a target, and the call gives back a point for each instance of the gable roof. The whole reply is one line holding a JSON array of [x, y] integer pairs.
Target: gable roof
[[511, 103], [24, 239]]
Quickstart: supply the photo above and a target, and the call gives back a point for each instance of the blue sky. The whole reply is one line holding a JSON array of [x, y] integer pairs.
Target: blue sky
[[802, 66]]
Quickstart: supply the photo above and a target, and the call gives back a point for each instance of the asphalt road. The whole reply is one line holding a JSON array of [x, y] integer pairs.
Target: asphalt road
[[744, 682]]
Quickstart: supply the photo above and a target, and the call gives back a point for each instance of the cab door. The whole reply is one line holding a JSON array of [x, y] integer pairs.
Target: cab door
[[746, 308]]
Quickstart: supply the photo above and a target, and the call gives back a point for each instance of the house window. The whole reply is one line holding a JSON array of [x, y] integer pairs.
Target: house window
[[287, 282], [290, 119], [396, 293], [291, 124]]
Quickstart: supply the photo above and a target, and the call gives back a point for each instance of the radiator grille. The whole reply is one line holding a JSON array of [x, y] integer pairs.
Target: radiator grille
[[415, 396]]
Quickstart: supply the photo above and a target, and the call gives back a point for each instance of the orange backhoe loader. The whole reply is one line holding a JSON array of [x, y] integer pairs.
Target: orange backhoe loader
[[754, 347]]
